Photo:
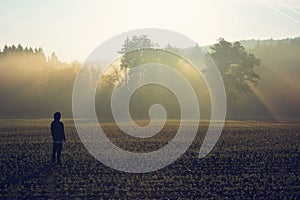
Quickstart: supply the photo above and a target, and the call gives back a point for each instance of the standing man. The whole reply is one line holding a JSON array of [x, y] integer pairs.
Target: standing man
[[58, 135]]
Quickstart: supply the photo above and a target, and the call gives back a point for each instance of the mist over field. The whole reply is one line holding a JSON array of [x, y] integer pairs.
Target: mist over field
[[150, 99], [34, 85]]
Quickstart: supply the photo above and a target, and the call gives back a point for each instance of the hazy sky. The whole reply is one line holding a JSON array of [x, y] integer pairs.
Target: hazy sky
[[74, 28]]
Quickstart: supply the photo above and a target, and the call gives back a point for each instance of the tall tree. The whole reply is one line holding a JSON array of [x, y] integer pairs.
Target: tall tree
[[236, 67], [137, 44]]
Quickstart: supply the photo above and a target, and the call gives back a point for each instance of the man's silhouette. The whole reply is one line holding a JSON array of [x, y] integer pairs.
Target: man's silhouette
[[58, 135]]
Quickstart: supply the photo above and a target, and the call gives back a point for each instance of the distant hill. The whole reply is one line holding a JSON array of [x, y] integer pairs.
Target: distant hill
[[250, 44]]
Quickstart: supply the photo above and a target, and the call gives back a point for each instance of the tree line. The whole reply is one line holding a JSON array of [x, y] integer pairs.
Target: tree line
[[34, 85]]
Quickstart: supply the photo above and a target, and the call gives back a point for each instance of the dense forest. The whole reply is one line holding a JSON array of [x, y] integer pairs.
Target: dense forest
[[33, 85]]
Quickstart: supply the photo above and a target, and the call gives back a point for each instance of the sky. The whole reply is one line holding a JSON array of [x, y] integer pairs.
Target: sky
[[74, 28]]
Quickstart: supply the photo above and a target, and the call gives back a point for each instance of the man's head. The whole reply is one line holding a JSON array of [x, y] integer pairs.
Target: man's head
[[57, 116]]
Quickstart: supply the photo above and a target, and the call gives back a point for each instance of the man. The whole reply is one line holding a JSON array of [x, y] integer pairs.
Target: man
[[58, 135]]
